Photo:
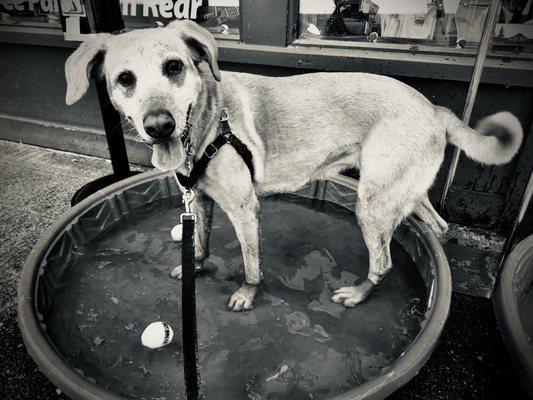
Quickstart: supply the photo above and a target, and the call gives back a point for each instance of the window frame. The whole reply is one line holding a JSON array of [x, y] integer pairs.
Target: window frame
[[269, 36], [408, 46]]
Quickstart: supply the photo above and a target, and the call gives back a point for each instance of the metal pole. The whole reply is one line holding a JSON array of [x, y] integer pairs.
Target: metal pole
[[484, 43], [106, 16], [113, 133]]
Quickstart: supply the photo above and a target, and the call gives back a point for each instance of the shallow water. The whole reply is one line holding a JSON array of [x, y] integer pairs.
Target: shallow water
[[295, 343]]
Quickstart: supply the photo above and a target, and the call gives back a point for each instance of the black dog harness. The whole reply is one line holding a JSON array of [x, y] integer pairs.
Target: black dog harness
[[225, 136]]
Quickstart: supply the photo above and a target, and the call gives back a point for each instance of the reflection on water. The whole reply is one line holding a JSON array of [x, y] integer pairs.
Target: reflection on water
[[295, 344]]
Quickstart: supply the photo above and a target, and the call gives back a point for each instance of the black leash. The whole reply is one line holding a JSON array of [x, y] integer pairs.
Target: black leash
[[188, 303], [188, 218]]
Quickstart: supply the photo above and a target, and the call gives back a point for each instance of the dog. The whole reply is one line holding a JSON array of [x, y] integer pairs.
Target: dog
[[299, 129]]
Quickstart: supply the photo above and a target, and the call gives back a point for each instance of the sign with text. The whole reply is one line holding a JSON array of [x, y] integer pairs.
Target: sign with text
[[168, 9]]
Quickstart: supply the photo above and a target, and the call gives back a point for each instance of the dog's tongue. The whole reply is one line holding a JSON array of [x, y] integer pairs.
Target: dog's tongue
[[167, 156]]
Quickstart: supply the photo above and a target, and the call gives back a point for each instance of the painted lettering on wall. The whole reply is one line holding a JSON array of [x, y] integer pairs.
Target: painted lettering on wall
[[47, 6], [147, 8], [162, 8]]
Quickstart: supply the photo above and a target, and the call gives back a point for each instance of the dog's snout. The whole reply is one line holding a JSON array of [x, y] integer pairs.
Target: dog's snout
[[159, 124]]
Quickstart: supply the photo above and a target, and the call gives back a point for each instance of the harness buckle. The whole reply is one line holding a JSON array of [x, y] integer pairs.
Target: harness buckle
[[213, 153], [224, 116]]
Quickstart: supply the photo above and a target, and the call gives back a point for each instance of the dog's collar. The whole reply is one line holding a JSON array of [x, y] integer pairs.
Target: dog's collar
[[186, 140], [225, 136]]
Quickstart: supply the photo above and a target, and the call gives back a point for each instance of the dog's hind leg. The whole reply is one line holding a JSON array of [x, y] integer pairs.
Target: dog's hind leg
[[424, 209], [202, 206], [389, 189], [378, 215]]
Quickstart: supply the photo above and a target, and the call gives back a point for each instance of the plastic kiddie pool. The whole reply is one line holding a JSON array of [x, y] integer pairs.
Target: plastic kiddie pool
[[101, 274], [513, 304]]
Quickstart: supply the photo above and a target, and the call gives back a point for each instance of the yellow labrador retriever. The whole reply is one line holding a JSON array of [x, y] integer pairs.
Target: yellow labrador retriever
[[299, 129]]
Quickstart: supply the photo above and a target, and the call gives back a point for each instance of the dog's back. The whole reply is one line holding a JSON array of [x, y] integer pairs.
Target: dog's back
[[313, 125]]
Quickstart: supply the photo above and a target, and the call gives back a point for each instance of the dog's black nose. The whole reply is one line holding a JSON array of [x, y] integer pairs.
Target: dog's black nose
[[159, 124]]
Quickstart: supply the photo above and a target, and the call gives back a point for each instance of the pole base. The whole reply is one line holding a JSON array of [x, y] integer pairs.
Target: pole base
[[94, 186]]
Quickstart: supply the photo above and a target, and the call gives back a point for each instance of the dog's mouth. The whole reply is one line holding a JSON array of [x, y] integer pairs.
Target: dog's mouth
[[153, 142], [168, 155]]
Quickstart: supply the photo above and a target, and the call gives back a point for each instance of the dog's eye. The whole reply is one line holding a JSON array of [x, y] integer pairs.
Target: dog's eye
[[126, 79], [172, 67]]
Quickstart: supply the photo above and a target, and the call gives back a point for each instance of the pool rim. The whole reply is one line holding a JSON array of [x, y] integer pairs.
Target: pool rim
[[507, 313], [78, 387]]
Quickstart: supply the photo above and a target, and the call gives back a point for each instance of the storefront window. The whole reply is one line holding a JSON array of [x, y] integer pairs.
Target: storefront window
[[218, 16], [450, 23], [514, 32], [30, 13]]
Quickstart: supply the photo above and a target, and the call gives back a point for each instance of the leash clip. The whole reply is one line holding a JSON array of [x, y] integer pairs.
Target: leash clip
[[224, 115], [188, 197]]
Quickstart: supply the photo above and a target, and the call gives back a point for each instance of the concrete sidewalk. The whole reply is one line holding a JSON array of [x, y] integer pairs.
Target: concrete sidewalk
[[36, 185]]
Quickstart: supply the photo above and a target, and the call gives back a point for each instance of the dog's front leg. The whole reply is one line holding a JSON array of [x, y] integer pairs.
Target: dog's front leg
[[245, 219], [228, 182], [236, 196], [202, 206]]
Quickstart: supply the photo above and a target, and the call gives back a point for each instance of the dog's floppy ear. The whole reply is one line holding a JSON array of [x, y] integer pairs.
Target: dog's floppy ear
[[200, 42], [80, 64]]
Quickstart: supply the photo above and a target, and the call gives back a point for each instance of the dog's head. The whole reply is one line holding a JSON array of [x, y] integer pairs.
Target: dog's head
[[153, 76]]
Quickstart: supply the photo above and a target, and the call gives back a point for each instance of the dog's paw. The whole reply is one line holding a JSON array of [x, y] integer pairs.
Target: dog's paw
[[243, 298], [177, 272], [350, 296]]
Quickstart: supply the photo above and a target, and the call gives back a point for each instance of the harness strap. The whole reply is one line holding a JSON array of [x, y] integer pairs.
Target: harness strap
[[239, 146], [225, 136]]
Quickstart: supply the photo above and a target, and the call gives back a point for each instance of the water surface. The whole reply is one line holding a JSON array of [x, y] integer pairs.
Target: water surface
[[295, 343]]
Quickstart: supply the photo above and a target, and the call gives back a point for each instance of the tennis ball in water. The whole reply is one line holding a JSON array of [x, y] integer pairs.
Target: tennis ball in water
[[157, 334], [177, 233]]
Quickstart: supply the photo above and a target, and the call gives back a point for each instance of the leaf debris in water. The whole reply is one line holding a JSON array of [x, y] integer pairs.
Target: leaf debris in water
[[98, 340]]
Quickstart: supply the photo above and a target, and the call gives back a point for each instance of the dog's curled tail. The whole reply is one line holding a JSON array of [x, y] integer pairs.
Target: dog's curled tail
[[494, 140]]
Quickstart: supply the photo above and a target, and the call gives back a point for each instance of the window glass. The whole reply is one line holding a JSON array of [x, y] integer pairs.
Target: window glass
[[450, 23], [30, 13], [514, 30], [218, 16]]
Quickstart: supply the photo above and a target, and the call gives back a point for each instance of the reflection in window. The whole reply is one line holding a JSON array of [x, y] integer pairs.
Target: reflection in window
[[219, 16], [514, 32], [455, 23], [31, 13]]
